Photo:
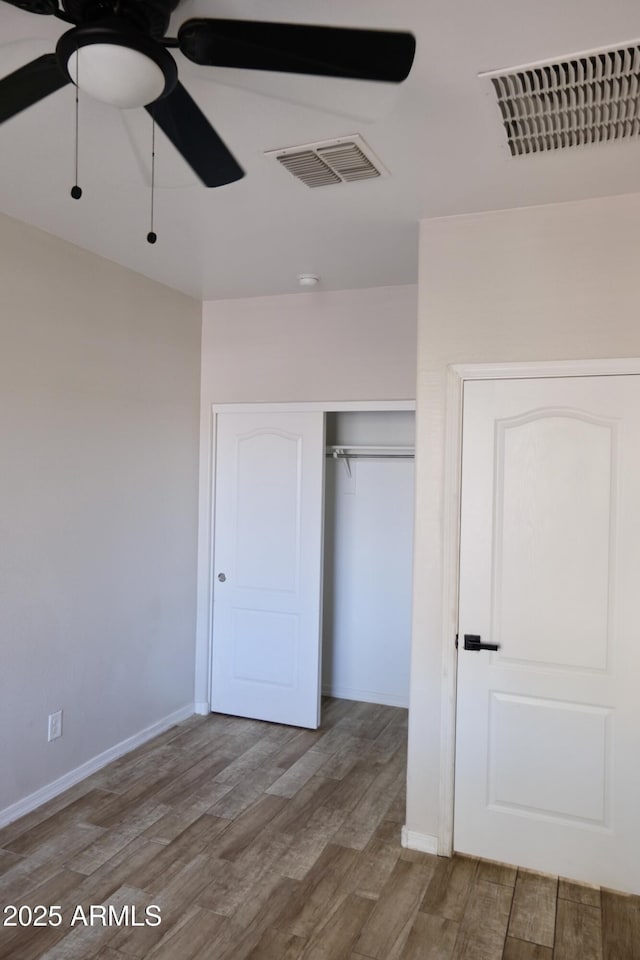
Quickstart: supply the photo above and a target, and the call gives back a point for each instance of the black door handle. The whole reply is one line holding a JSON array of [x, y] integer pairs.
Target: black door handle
[[472, 642]]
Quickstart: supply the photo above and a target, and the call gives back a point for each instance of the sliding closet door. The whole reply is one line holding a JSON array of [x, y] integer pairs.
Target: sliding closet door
[[268, 566]]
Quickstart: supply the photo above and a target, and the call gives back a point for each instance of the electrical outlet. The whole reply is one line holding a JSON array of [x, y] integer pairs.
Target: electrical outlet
[[55, 725]]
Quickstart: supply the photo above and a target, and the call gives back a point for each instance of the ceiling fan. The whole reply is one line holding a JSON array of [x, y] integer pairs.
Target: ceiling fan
[[117, 51]]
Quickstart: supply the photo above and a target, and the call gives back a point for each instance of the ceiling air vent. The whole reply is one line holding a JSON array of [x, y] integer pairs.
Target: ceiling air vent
[[330, 162], [586, 99]]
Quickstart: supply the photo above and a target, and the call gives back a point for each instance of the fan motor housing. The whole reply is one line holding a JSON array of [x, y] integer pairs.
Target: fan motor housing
[[149, 16]]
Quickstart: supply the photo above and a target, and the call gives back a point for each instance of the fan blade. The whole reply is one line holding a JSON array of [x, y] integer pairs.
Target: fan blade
[[29, 84], [299, 48], [46, 7], [179, 116]]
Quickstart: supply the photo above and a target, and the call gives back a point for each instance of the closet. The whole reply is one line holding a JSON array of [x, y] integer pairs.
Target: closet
[[368, 536], [312, 516]]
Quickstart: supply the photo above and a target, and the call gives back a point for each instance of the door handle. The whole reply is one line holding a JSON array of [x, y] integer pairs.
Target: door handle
[[222, 577], [472, 642]]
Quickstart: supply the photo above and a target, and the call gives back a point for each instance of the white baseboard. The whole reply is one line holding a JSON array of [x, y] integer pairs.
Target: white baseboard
[[367, 696], [202, 708], [36, 799], [424, 842]]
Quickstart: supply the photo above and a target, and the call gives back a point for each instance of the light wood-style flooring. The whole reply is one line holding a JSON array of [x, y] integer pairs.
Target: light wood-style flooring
[[264, 842]]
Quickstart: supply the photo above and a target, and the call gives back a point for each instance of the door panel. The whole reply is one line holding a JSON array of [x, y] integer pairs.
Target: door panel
[[267, 563], [553, 502], [548, 726]]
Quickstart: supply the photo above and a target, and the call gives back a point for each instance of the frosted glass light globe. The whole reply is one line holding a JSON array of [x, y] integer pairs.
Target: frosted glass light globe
[[116, 74]]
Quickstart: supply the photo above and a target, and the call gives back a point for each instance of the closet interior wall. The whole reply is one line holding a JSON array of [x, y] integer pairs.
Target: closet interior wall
[[368, 560]]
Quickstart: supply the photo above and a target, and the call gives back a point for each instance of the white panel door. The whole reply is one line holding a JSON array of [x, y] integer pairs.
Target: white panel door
[[268, 566], [548, 726]]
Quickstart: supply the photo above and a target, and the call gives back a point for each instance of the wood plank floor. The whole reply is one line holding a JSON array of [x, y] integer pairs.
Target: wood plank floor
[[263, 842]]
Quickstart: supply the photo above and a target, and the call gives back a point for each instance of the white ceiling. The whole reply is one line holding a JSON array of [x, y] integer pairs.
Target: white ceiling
[[439, 134]]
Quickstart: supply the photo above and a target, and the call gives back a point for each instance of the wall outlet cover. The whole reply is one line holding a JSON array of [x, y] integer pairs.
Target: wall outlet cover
[[55, 725]]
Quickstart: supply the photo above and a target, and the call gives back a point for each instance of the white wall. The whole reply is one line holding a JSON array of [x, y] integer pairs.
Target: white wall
[[542, 283], [99, 382], [346, 345], [378, 427]]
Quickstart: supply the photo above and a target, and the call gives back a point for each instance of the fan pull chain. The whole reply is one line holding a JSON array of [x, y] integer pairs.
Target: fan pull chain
[[76, 192], [151, 236]]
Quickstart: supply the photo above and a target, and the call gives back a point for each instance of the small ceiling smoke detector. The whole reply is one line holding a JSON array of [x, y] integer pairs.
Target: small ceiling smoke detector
[[329, 162], [308, 280]]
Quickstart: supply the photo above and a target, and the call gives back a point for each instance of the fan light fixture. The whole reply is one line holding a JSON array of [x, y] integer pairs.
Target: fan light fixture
[[116, 75], [120, 67]]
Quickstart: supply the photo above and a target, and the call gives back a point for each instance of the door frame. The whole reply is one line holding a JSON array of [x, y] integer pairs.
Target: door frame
[[457, 375], [206, 514]]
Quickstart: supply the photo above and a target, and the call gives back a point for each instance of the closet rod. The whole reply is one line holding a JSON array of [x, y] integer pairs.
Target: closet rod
[[365, 451], [371, 456]]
